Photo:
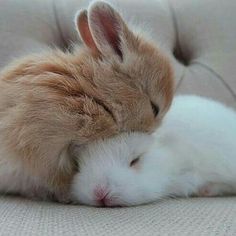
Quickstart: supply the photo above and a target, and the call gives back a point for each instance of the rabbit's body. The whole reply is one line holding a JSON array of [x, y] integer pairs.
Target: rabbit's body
[[117, 81], [193, 153], [15, 179], [196, 148]]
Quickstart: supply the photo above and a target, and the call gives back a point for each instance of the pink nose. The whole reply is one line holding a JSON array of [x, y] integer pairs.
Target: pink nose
[[104, 201], [101, 196]]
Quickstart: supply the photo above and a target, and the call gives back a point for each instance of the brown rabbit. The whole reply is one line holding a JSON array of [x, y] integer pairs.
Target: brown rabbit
[[119, 81]]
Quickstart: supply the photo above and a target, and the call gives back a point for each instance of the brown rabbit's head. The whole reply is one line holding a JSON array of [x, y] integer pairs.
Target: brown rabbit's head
[[133, 79]]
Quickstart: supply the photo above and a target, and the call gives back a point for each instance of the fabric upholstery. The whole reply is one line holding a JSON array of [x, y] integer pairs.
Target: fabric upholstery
[[199, 37], [199, 217]]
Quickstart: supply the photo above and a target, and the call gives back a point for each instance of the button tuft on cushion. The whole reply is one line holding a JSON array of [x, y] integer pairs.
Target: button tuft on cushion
[[181, 57]]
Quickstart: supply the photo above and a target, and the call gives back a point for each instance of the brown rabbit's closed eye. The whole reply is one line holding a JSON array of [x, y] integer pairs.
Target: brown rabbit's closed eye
[[155, 109], [118, 81]]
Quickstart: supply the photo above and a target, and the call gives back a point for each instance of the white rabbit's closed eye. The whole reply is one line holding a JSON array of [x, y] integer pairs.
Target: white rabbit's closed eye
[[135, 161]]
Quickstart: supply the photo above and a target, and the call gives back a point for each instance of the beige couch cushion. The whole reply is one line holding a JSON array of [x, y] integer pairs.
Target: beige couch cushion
[[199, 36], [181, 217]]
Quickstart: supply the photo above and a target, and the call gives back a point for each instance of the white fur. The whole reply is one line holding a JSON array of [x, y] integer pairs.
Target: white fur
[[192, 153]]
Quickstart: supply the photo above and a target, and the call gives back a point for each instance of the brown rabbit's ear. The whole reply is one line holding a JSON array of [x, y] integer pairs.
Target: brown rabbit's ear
[[81, 22], [106, 27], [102, 29]]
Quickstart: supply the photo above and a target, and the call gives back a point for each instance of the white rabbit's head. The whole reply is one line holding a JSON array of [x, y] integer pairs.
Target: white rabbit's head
[[116, 172]]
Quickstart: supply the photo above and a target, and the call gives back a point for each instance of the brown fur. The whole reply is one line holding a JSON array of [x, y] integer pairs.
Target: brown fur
[[55, 99]]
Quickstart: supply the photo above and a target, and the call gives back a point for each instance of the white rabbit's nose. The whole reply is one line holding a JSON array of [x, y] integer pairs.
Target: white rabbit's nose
[[100, 195], [103, 197]]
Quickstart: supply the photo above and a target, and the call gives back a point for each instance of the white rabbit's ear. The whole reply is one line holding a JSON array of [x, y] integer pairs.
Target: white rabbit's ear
[[81, 23]]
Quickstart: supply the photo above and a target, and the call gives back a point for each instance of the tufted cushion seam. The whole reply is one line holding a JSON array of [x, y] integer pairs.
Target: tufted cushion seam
[[64, 41], [196, 62], [181, 79], [177, 50]]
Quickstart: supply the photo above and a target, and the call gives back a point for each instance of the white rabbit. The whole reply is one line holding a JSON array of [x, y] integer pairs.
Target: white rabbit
[[193, 153]]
